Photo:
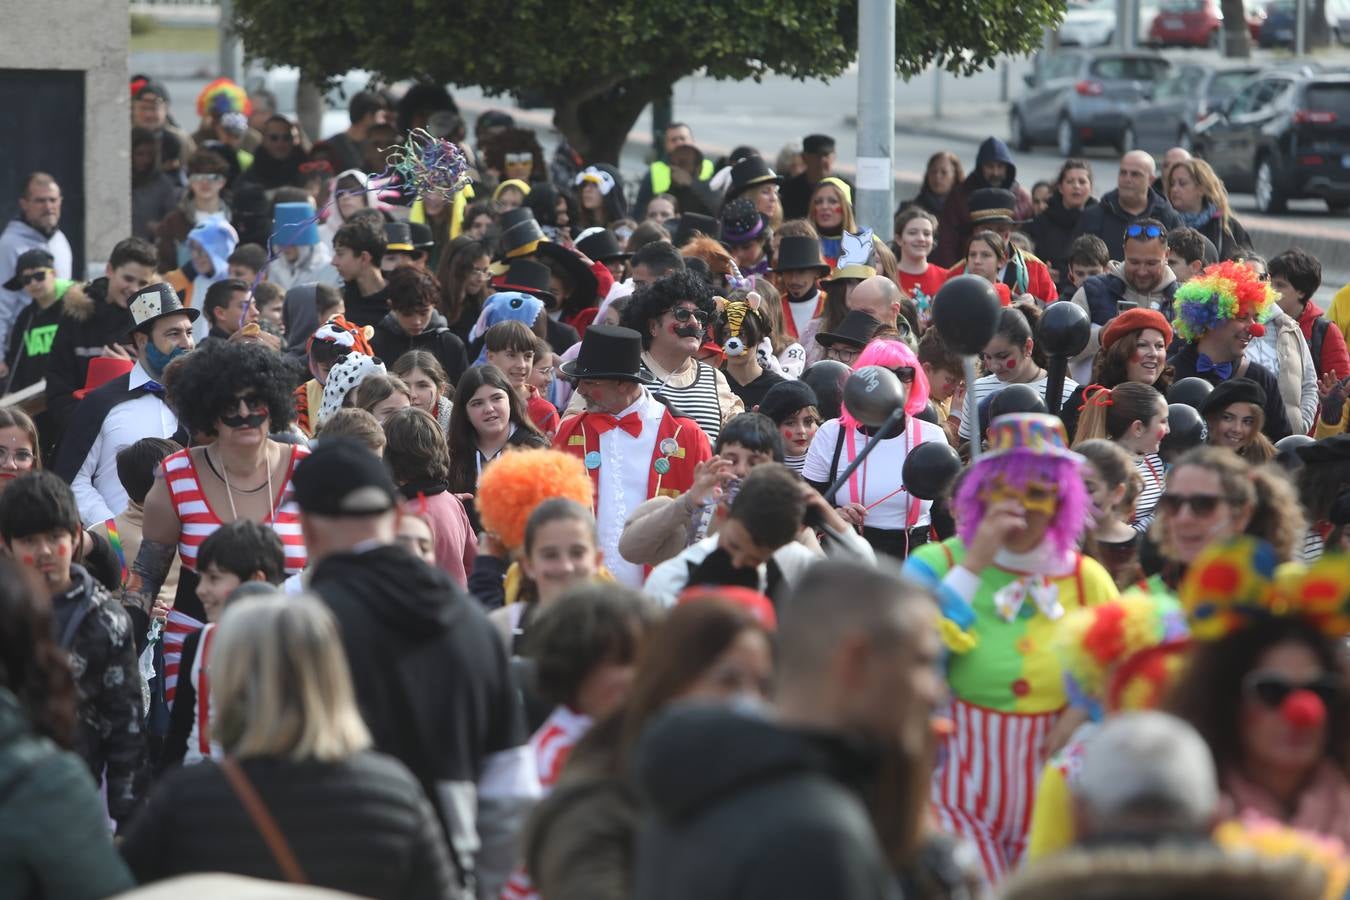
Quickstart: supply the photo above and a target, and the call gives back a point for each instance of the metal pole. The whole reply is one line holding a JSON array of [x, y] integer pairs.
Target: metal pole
[[876, 116], [1300, 27], [1120, 39], [1003, 80], [937, 88], [230, 60], [972, 413]]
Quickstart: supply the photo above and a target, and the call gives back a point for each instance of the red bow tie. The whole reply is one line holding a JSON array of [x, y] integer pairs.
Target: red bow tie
[[602, 422]]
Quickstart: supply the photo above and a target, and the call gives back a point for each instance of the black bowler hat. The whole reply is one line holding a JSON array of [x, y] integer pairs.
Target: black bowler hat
[[855, 330], [749, 172], [520, 232], [692, 225], [818, 144], [610, 353], [601, 245], [422, 238], [398, 237], [1234, 390], [154, 302], [800, 252], [529, 277]]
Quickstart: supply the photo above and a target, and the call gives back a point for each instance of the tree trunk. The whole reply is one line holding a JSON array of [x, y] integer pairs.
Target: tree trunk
[[597, 125], [1237, 42], [309, 108]]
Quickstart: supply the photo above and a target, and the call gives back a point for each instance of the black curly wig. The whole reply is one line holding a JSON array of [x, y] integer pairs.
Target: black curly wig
[[651, 301], [209, 378]]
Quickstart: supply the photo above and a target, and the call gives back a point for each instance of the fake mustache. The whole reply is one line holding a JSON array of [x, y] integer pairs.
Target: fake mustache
[[252, 420], [684, 331]]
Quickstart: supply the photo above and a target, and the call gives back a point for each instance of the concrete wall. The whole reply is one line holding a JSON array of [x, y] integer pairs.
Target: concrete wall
[[89, 36]]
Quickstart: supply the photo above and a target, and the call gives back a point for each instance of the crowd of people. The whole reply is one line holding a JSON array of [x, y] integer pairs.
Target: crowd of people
[[523, 545]]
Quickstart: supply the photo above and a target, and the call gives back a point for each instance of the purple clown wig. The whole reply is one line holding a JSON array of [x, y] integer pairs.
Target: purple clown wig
[[1017, 467], [892, 354]]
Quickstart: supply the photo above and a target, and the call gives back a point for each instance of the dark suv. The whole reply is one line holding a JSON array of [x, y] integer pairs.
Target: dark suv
[[1283, 137]]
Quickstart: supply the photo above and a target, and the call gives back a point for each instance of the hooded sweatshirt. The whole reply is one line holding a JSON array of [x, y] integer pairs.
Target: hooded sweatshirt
[[955, 229], [218, 238], [390, 342], [17, 237], [434, 686], [1108, 221], [741, 807], [30, 343], [332, 220]]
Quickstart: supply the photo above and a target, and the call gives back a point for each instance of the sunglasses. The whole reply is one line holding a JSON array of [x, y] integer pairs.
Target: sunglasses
[[904, 373], [1271, 689], [684, 314], [1200, 504], [1148, 231], [252, 401], [519, 157], [206, 177], [33, 276]]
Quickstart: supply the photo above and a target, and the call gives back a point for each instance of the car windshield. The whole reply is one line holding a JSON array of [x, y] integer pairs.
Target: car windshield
[[1332, 98], [1227, 84], [1129, 69]]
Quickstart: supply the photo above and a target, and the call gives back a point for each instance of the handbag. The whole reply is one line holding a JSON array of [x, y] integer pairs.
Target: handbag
[[263, 821]]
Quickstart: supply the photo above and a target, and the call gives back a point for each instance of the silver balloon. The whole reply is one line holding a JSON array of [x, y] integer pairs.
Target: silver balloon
[[872, 393]]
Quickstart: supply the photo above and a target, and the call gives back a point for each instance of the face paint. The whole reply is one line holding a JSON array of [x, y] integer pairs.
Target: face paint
[[159, 360], [27, 560], [253, 420], [1010, 364], [60, 550]]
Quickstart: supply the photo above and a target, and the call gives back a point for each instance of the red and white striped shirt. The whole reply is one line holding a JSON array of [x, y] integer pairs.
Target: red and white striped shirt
[[198, 520]]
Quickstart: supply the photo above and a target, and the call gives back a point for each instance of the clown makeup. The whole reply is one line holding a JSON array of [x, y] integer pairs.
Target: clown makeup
[[1144, 438], [680, 329], [1004, 360], [519, 166], [1149, 357], [48, 554], [798, 429], [1035, 496], [827, 210], [1277, 737]]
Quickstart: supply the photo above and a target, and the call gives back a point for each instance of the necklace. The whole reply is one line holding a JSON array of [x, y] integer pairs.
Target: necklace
[[229, 491], [216, 472]]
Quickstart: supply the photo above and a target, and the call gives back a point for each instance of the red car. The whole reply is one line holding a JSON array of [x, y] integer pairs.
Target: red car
[[1193, 23]]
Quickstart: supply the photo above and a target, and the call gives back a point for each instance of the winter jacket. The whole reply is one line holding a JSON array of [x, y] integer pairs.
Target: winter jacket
[[361, 824], [1052, 232], [1100, 297], [95, 631], [390, 342], [54, 839], [1277, 422], [954, 229], [89, 323], [740, 807], [1228, 241], [433, 683], [1284, 351], [17, 237], [1108, 221], [30, 342], [1333, 355]]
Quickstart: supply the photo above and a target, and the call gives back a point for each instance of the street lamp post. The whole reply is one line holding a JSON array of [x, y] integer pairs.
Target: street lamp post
[[876, 115]]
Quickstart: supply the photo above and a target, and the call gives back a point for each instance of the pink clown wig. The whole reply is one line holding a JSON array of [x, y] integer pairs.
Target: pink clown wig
[[892, 354], [1073, 509]]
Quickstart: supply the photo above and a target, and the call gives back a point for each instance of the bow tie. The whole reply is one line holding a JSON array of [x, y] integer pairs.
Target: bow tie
[[1205, 364], [1010, 600], [602, 422], [153, 387]]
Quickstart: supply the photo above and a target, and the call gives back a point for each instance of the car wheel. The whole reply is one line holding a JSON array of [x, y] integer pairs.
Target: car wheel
[[1269, 198], [1185, 141], [1017, 132], [1338, 206], [1066, 138], [1127, 140]]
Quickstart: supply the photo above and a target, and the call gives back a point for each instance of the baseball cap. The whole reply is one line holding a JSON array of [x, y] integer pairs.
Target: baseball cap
[[342, 478], [36, 258]]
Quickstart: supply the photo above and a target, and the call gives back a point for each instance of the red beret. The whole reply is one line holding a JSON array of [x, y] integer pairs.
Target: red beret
[[1135, 320]]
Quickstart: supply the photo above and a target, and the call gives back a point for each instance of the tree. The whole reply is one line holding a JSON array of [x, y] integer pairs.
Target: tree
[[600, 62]]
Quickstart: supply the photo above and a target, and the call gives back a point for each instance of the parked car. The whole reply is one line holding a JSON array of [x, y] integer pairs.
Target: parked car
[[1078, 98], [1181, 101], [1088, 23], [1285, 136], [1278, 28], [1196, 23]]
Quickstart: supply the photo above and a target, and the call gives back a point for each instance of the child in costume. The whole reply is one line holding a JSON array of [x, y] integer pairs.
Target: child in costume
[[331, 343], [1005, 583]]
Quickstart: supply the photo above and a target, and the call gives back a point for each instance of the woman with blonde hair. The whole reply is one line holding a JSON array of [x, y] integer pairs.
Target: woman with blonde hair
[[1200, 199], [831, 212], [299, 797]]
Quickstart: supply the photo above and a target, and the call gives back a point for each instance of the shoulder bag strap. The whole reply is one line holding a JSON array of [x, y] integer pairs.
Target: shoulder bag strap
[[263, 821]]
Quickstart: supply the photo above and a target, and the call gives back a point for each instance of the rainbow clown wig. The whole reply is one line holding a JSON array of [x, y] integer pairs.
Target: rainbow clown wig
[[1028, 454], [1225, 291], [223, 96], [892, 354]]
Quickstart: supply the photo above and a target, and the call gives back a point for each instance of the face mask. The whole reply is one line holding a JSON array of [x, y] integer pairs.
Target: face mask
[[1035, 496], [253, 420], [157, 360]]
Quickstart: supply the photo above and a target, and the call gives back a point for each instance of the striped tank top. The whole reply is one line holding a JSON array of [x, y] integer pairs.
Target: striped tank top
[[198, 520], [1153, 474], [698, 401]]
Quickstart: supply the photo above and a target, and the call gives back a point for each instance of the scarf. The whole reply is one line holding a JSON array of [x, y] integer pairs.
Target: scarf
[[1323, 807], [1200, 219]]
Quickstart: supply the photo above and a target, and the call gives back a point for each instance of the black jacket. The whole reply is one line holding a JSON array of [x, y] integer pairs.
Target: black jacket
[[390, 342], [364, 310], [1108, 221], [30, 342], [88, 324], [739, 807], [1228, 241], [1277, 423], [431, 675], [1052, 232], [360, 825]]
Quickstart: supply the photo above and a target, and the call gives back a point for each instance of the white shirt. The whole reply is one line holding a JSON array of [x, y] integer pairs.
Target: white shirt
[[97, 488], [989, 385], [880, 478], [625, 467], [803, 311]]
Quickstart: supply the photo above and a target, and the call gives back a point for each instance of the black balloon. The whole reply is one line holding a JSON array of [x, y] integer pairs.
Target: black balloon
[[1190, 391], [1286, 451], [1064, 329], [827, 379], [965, 313], [929, 469], [872, 393], [1185, 430], [1015, 398]]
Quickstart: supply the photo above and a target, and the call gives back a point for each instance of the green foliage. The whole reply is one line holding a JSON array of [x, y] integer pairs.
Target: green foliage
[[623, 53], [142, 23]]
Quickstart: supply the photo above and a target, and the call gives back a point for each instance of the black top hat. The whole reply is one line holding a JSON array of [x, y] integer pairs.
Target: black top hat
[[990, 205], [36, 258], [602, 246], [608, 352], [856, 330], [818, 144], [154, 302], [398, 236], [748, 172], [1234, 390], [799, 252], [693, 224], [520, 231], [422, 238], [530, 277], [584, 284], [741, 222]]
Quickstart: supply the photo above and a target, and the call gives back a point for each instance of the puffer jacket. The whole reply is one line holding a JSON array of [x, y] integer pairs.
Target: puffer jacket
[[1283, 350]]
